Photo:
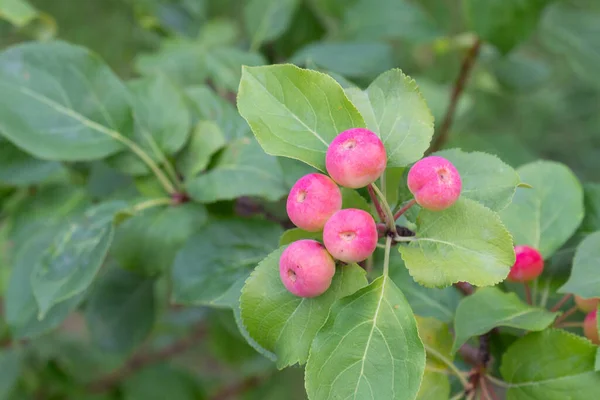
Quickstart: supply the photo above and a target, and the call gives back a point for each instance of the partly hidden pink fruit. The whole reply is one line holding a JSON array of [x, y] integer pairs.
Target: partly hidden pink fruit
[[313, 199], [587, 305], [350, 235], [528, 265], [355, 158], [435, 183], [590, 327], [306, 268]]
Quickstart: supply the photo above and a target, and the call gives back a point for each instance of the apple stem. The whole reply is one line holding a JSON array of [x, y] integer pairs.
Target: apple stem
[[387, 212], [488, 391], [376, 203], [528, 293], [386, 260], [565, 315], [561, 302], [404, 209]]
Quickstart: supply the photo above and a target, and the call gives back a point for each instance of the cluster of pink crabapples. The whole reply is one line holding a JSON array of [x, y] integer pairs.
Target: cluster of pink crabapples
[[354, 159]]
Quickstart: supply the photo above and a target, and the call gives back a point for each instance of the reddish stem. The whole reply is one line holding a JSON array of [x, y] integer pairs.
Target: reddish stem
[[488, 391], [404, 209], [376, 203], [528, 293], [565, 315], [459, 86], [561, 302]]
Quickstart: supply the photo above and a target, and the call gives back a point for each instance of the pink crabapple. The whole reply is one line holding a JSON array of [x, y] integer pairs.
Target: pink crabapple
[[356, 158], [528, 266], [587, 305], [590, 327], [306, 268], [312, 200], [350, 235], [435, 183]]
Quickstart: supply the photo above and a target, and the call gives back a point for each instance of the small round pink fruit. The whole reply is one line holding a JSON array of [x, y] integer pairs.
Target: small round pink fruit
[[355, 158], [313, 199], [306, 268], [590, 327], [587, 305], [528, 266], [435, 183], [350, 235]]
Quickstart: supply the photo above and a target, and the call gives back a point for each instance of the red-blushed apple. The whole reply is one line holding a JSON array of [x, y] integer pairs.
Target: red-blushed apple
[[350, 235], [528, 266], [312, 200], [590, 327], [435, 183], [306, 268], [355, 158], [587, 305]]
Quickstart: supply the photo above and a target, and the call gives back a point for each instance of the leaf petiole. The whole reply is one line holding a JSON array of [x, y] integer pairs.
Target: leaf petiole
[[389, 216], [386, 260]]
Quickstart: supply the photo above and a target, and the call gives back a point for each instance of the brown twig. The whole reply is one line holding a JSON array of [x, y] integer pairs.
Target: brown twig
[[459, 86], [140, 360], [234, 391], [570, 325], [561, 302], [465, 287], [246, 207], [376, 203], [565, 315]]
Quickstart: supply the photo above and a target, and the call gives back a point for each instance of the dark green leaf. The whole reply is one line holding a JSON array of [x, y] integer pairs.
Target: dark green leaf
[[149, 242], [243, 169], [489, 308], [284, 323], [504, 23], [70, 263], [10, 365], [20, 169], [267, 19], [206, 140], [437, 340], [535, 367], [307, 109], [591, 199], [291, 235], [120, 311], [60, 102], [369, 348], [213, 265], [160, 382]]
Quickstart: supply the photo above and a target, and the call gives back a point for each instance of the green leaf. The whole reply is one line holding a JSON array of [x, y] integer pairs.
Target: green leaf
[[585, 280], [352, 199], [547, 215], [207, 105], [211, 265], [20, 169], [369, 348], [466, 242], [60, 102], [572, 33], [591, 200], [489, 308], [504, 23], [597, 365], [224, 66], [148, 242], [394, 109], [120, 312], [282, 322], [425, 302], [10, 365], [438, 343], [70, 263], [267, 19], [291, 235], [206, 140], [243, 169], [21, 307], [387, 19], [535, 367], [17, 12], [485, 178], [307, 109], [159, 382], [348, 59]]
